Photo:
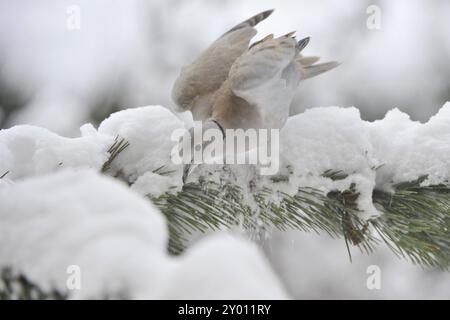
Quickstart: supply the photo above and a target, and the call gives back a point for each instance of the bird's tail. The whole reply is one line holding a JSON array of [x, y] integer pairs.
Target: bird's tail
[[307, 61]]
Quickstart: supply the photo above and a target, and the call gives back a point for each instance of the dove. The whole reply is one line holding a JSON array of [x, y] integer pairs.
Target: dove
[[242, 86], [235, 85]]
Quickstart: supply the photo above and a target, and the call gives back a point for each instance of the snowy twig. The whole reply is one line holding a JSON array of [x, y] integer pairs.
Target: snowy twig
[[116, 148]]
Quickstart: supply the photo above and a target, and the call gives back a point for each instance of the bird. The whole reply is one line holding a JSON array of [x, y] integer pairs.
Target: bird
[[237, 85]]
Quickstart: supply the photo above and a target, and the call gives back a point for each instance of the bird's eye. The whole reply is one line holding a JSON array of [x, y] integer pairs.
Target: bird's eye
[[198, 147]]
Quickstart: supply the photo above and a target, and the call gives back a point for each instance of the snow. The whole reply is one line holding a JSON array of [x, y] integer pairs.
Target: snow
[[373, 154], [148, 130], [56, 210], [410, 149], [223, 266], [133, 58], [28, 151], [327, 272], [330, 138], [118, 240], [154, 185], [78, 217]]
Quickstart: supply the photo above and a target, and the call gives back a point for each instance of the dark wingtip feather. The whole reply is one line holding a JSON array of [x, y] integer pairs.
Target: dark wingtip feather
[[257, 18], [266, 13], [251, 22], [301, 44]]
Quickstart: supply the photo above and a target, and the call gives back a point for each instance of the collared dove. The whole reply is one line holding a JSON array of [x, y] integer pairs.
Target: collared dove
[[233, 85]]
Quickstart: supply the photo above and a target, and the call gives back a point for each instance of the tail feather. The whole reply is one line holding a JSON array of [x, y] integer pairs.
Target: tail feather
[[307, 61], [316, 69], [251, 22]]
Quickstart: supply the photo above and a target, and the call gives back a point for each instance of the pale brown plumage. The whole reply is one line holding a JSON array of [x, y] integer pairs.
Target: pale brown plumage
[[242, 86], [203, 77]]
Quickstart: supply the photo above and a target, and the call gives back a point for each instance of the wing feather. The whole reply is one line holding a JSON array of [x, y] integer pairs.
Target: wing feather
[[207, 73], [265, 66], [266, 77]]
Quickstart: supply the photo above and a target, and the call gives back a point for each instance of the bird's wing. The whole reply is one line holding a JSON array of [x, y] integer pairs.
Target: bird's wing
[[207, 73], [267, 75]]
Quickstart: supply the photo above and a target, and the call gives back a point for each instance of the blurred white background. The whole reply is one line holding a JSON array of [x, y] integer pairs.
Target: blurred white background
[[128, 53]]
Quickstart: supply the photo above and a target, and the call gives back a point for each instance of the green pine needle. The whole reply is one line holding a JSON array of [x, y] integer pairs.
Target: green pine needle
[[18, 287], [415, 224], [116, 148]]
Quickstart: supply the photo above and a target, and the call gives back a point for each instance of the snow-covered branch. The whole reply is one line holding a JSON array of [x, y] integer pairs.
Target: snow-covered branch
[[370, 182]]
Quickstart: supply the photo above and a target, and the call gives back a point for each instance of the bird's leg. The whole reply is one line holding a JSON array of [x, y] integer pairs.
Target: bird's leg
[[187, 170], [209, 124]]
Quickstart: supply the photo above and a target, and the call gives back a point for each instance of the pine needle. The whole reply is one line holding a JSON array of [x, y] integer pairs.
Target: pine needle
[[4, 175], [116, 148], [415, 224], [16, 286]]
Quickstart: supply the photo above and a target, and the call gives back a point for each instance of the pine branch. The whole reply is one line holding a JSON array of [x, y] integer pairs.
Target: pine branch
[[18, 287], [200, 207], [415, 224], [204, 206]]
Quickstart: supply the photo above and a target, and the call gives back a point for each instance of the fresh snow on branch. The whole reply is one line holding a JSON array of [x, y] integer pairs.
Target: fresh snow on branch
[[118, 239], [374, 154], [57, 210], [371, 154], [29, 151]]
